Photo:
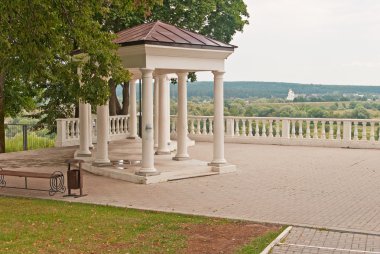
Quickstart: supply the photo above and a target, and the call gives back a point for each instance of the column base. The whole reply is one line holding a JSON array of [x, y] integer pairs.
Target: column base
[[162, 152], [148, 172], [217, 163], [135, 138], [101, 164], [83, 154], [181, 158], [222, 168]]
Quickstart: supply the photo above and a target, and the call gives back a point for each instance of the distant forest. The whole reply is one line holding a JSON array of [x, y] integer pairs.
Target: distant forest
[[253, 89]]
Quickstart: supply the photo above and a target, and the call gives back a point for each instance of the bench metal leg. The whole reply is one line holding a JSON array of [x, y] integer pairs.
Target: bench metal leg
[[3, 183], [57, 183]]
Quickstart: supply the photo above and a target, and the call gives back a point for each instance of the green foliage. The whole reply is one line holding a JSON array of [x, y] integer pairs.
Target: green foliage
[[218, 19], [35, 141], [239, 107]]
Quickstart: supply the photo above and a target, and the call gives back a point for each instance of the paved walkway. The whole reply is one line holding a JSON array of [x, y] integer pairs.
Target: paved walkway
[[319, 187], [313, 241]]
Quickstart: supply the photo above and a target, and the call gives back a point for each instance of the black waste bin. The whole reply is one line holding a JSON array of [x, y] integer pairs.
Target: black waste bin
[[74, 177]]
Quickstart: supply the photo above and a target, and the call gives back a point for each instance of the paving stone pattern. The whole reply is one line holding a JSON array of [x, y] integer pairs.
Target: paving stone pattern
[[312, 241]]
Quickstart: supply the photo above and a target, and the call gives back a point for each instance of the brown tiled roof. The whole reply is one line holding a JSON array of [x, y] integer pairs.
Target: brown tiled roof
[[160, 33]]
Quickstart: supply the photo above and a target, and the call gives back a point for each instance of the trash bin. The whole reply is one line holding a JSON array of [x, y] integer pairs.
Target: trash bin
[[74, 177]]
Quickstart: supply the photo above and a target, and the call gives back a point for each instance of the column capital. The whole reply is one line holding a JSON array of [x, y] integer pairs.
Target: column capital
[[183, 74], [133, 80], [146, 72], [218, 74], [163, 76]]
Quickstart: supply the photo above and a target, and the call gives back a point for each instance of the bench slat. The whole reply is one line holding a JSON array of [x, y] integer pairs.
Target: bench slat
[[25, 174]]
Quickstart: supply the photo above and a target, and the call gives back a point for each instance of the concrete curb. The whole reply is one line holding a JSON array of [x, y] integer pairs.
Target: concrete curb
[[278, 239]]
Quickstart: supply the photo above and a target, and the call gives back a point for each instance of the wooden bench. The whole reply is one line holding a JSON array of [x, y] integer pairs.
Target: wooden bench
[[57, 181]]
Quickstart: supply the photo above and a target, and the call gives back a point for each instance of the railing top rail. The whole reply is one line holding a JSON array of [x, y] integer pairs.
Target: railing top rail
[[289, 118]]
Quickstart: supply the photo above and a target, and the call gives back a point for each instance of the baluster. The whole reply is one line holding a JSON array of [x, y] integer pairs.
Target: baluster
[[117, 126], [173, 126], [315, 135], [67, 129], [300, 132], [204, 128], [338, 132], [237, 130], [77, 132], [126, 124], [210, 128], [277, 128], [271, 128], [356, 132], [257, 130], [308, 129], [372, 134], [323, 130], [199, 126], [364, 131], [264, 129], [331, 130], [250, 128], [293, 129], [72, 133], [192, 127], [244, 131]]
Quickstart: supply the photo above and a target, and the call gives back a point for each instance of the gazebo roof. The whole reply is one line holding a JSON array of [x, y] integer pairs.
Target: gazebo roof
[[159, 33]]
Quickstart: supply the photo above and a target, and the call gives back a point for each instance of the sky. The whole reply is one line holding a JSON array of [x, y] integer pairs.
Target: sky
[[308, 41]]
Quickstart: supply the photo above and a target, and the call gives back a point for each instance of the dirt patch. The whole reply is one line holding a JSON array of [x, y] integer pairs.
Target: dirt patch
[[222, 238]]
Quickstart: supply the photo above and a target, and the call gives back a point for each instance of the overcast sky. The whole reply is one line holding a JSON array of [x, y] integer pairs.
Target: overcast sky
[[308, 41]]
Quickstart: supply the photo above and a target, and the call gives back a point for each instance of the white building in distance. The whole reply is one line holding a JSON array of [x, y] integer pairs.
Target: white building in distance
[[291, 95]]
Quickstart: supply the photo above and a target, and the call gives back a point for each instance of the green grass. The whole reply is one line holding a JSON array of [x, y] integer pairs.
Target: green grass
[[258, 244], [45, 226], [15, 144]]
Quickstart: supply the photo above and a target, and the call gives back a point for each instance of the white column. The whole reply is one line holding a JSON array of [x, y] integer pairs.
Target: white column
[[182, 118], [84, 143], [90, 126], [147, 163], [164, 116], [132, 110], [156, 109], [168, 102], [102, 125], [218, 152]]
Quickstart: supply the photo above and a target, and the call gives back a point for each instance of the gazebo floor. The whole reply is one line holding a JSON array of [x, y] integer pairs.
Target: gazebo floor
[[125, 156]]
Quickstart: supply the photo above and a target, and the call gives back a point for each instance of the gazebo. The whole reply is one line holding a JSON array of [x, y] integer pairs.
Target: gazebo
[[152, 52]]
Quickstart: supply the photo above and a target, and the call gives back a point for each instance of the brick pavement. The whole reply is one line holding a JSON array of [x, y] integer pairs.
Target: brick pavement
[[316, 241], [309, 186]]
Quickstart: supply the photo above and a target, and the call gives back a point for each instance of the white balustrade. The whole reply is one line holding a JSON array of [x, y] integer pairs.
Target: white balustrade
[[68, 130], [326, 132]]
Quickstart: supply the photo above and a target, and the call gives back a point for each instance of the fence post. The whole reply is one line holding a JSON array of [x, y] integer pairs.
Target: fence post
[[230, 127], [25, 136], [285, 128], [61, 132], [347, 130]]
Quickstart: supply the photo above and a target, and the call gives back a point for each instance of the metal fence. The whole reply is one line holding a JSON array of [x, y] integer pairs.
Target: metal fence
[[19, 137]]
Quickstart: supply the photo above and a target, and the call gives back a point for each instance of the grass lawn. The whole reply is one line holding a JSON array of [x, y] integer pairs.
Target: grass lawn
[[45, 226]]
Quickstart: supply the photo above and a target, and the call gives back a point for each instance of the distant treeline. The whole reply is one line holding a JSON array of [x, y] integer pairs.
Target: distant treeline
[[272, 90], [254, 89]]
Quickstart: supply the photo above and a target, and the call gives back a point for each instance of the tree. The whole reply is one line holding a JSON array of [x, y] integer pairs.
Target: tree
[[37, 40]]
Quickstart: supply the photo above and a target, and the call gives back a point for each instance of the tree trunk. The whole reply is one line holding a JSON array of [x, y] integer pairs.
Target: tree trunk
[[76, 111], [125, 108], [2, 111], [113, 98]]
